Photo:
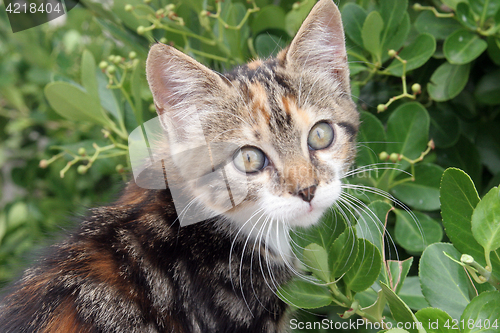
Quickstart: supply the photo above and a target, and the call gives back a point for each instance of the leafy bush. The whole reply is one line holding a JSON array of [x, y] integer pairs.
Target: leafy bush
[[427, 81]]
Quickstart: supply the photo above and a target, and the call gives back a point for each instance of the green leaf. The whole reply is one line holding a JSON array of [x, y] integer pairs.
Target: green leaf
[[483, 313], [17, 215], [371, 139], [465, 16], [423, 193], [371, 33], [268, 45], [235, 40], [434, 321], [464, 155], [400, 311], [439, 27], [452, 3], [395, 273], [494, 49], [371, 223], [416, 54], [444, 282], [488, 88], [304, 295], [355, 68], [396, 39], [393, 12], [136, 83], [128, 18], [342, 253], [316, 260], [269, 17], [485, 8], [463, 46], [448, 81], [408, 131], [366, 268], [89, 79], [353, 17], [323, 233], [459, 198], [411, 293], [108, 97], [73, 103], [486, 221], [445, 127], [415, 236], [488, 144], [295, 17]]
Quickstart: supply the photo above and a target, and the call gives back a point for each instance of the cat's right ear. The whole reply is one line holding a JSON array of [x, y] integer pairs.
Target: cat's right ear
[[319, 45], [180, 85]]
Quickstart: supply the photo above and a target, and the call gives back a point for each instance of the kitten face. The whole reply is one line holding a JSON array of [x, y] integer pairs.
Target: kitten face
[[288, 125]]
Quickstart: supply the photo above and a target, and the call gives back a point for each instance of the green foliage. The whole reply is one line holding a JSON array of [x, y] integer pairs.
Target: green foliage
[[426, 80]]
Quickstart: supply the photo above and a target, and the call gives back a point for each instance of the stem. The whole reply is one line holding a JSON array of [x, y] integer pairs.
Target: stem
[[484, 272], [432, 9], [243, 20]]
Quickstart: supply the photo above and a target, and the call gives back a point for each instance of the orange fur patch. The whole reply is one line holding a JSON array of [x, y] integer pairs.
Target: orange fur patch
[[259, 101], [65, 319]]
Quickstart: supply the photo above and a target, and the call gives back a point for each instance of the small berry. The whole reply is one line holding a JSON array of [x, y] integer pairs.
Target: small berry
[[152, 107], [132, 55], [147, 1], [111, 58], [394, 157], [82, 151], [296, 6], [135, 62], [141, 30], [103, 64], [43, 164], [111, 69], [163, 40], [381, 108], [119, 168], [383, 156], [117, 59], [417, 6], [170, 7], [203, 13], [160, 12], [129, 8], [392, 53], [82, 169], [431, 144], [416, 88]]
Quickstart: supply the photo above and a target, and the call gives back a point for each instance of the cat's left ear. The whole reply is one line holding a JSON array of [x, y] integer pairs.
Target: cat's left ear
[[319, 46], [180, 85]]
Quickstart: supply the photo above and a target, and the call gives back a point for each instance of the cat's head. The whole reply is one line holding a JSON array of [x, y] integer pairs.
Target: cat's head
[[281, 131]]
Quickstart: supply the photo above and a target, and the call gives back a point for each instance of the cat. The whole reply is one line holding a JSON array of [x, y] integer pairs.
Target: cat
[[131, 266]]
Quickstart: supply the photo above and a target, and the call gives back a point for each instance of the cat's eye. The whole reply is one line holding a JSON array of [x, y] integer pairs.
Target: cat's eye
[[250, 159], [321, 136]]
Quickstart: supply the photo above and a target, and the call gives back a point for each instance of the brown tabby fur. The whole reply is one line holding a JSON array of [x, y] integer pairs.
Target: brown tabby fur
[[131, 267]]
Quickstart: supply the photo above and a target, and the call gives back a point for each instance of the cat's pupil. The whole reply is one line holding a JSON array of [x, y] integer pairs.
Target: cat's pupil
[[321, 136]]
